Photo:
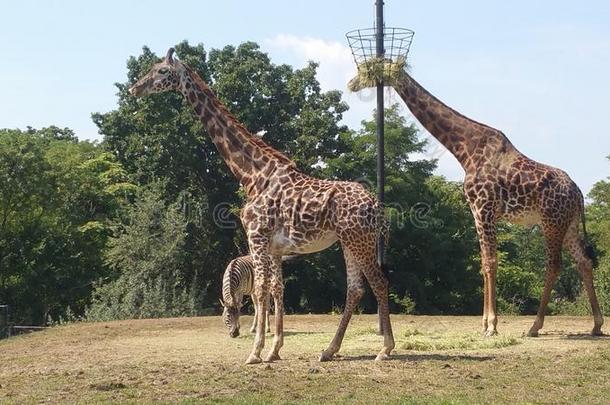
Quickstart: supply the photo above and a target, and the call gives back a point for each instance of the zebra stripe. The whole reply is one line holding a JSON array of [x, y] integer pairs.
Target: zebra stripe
[[238, 280]]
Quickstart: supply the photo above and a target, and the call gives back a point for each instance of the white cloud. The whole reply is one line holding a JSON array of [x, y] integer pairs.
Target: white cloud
[[336, 68], [335, 58]]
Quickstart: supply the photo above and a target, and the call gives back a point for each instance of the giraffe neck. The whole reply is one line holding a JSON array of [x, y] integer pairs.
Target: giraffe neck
[[462, 136], [249, 158]]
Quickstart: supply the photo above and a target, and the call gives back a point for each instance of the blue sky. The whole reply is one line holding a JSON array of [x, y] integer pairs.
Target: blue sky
[[538, 70]]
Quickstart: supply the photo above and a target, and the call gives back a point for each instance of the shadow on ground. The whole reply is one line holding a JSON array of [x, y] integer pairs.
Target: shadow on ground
[[419, 357], [561, 335]]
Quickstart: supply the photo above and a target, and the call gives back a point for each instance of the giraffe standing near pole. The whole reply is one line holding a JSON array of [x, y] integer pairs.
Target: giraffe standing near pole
[[503, 184], [287, 212]]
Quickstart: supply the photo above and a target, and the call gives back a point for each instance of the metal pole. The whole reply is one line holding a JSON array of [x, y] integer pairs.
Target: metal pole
[[4, 322], [380, 52]]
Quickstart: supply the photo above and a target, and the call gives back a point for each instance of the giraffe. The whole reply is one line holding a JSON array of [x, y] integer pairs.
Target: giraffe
[[286, 212], [501, 183]]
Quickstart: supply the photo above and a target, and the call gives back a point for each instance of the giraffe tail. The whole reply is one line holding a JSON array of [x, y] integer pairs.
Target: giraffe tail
[[589, 246]]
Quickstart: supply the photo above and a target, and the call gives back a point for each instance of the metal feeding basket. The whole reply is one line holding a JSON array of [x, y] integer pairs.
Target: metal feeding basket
[[396, 44]]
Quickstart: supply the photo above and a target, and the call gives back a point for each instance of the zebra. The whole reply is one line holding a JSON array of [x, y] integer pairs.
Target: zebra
[[237, 281]]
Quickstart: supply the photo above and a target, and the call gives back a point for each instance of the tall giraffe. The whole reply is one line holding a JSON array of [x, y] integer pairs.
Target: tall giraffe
[[287, 212], [502, 183]]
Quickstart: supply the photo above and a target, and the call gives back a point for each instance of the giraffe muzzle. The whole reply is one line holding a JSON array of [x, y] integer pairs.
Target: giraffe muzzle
[[135, 90]]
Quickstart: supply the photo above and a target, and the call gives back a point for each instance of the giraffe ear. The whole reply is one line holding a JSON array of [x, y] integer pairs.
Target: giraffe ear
[[169, 58]]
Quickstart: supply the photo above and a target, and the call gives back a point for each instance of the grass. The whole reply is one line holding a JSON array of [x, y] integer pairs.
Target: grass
[[438, 360], [454, 341]]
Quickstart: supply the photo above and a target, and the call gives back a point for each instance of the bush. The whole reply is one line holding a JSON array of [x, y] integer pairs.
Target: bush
[[518, 289], [581, 306], [406, 304], [147, 255]]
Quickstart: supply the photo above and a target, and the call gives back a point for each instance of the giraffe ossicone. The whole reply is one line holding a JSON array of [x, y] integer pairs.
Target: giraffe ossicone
[[286, 212], [501, 183]]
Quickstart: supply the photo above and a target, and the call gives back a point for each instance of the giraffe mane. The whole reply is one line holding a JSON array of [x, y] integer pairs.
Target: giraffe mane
[[255, 140], [406, 76]]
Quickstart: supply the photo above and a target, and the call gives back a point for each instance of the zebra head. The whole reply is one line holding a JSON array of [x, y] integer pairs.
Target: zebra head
[[230, 317]]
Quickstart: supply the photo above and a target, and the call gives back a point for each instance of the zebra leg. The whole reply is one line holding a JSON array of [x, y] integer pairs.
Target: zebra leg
[[277, 290]]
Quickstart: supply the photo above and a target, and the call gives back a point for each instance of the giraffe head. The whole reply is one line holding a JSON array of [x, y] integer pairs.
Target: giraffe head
[[356, 84], [163, 76], [230, 317]]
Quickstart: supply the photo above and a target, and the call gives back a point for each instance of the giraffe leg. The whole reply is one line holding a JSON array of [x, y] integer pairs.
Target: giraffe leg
[[584, 264], [255, 304], [485, 301], [261, 291], [267, 315], [379, 323], [262, 264], [355, 291], [486, 230], [553, 239], [379, 284], [492, 317], [277, 291]]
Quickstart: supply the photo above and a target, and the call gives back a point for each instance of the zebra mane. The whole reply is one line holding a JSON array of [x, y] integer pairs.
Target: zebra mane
[[228, 297], [232, 281]]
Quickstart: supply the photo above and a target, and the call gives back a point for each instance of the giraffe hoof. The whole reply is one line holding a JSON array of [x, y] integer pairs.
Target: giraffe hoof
[[382, 357], [271, 357], [597, 332], [253, 359], [490, 333], [532, 333], [326, 356]]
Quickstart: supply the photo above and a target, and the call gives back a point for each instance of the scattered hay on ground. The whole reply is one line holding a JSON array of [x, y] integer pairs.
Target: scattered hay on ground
[[454, 341]]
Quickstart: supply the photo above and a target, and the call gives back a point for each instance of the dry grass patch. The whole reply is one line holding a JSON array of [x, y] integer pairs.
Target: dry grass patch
[[438, 360]]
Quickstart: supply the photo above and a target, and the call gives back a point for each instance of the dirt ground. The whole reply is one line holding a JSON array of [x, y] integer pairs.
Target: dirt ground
[[438, 359]]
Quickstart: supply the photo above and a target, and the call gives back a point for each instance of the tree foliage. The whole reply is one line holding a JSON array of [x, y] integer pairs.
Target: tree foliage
[[598, 216], [57, 196], [144, 224], [147, 257]]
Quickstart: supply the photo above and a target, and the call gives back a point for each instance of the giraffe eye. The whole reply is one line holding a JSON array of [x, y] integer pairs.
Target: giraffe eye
[[163, 70]]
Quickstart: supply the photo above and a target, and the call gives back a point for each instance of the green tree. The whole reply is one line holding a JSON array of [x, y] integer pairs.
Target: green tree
[[67, 215], [147, 256], [598, 223], [57, 196]]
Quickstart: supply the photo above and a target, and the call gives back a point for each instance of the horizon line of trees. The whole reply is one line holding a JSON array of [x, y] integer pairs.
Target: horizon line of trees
[[128, 227]]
